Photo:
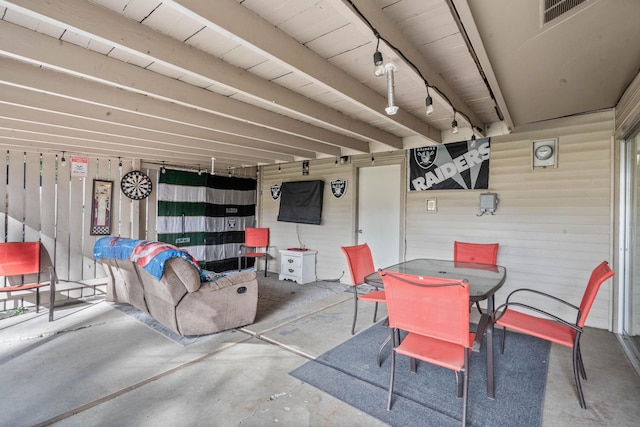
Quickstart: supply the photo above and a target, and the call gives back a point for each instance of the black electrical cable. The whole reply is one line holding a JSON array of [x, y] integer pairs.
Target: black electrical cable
[[409, 62]]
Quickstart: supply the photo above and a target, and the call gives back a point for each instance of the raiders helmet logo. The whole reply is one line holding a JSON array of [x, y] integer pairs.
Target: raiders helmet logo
[[231, 223], [425, 156], [275, 191], [338, 188]]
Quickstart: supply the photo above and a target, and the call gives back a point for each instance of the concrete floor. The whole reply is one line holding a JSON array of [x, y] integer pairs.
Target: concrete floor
[[97, 366]]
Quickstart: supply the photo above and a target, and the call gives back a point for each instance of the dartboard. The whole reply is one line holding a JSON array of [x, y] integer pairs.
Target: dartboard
[[136, 185]]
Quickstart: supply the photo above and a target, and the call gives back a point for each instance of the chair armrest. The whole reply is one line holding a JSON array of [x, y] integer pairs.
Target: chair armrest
[[480, 331], [497, 315], [544, 294]]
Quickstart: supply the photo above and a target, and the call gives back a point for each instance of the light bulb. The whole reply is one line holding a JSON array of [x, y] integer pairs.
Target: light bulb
[[378, 69], [454, 126], [429, 103]]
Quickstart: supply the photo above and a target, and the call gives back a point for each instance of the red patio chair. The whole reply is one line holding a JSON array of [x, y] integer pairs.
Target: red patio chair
[[255, 238], [360, 263], [435, 313], [551, 327], [20, 262], [480, 253]]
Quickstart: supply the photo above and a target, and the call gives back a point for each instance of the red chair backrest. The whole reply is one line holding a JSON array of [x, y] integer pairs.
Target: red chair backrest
[[430, 306], [360, 262], [599, 275], [256, 237], [17, 258], [481, 253]]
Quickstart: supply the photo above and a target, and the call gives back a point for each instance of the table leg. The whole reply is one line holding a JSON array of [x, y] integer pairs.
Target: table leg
[[490, 385]]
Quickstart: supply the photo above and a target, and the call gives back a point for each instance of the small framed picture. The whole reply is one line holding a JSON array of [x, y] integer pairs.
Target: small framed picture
[[101, 208]]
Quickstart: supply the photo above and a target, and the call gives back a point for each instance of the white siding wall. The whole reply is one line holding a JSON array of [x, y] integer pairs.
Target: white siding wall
[[553, 225], [43, 202], [337, 226]]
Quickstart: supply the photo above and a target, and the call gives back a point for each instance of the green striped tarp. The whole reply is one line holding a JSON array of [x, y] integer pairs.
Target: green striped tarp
[[206, 215]]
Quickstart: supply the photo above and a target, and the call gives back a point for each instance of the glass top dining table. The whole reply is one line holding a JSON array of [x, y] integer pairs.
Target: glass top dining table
[[484, 281]]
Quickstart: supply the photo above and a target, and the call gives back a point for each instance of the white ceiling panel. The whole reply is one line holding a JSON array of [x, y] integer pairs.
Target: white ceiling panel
[[261, 81]]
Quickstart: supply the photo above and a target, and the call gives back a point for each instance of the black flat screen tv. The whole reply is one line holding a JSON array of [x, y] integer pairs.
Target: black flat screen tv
[[301, 202]]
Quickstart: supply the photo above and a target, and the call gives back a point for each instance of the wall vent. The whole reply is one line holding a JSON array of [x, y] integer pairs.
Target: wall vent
[[555, 8]]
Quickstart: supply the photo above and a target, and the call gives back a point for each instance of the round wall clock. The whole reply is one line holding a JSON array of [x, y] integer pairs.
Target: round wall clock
[[136, 185]]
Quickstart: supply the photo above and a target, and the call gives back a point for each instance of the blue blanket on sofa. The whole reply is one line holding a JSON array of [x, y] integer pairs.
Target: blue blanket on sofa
[[147, 254]]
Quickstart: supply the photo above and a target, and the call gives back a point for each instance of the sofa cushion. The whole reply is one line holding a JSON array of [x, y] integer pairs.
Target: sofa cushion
[[178, 270]]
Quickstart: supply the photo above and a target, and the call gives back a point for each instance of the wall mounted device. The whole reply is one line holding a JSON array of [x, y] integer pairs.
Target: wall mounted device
[[544, 153], [431, 205], [488, 203]]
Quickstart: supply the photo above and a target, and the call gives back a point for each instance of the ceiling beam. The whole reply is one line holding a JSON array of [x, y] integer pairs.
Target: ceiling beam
[[24, 140], [236, 21], [90, 131], [113, 29], [471, 29], [122, 107], [20, 42]]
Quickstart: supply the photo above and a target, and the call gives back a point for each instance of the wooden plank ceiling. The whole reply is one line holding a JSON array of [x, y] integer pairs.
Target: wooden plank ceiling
[[248, 82]]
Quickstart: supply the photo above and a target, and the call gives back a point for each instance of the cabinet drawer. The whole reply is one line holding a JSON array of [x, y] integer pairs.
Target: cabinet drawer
[[291, 261], [291, 270]]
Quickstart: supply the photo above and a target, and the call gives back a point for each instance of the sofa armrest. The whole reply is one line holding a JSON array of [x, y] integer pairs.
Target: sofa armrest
[[179, 270], [227, 281]]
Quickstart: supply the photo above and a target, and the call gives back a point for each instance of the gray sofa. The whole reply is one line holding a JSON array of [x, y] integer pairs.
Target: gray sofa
[[179, 300]]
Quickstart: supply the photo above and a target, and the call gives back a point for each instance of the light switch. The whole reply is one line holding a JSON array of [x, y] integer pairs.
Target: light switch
[[431, 205]]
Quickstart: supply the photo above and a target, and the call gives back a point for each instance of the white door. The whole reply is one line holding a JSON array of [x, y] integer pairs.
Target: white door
[[379, 212]]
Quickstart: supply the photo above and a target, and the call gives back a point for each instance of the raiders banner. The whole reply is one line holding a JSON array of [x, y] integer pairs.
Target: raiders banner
[[459, 165]]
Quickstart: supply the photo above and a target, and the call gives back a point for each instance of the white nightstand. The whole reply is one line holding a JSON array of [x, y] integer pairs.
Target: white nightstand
[[298, 266]]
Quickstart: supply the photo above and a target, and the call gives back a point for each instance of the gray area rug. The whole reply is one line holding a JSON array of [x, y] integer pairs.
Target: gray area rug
[[273, 295], [428, 398], [156, 326]]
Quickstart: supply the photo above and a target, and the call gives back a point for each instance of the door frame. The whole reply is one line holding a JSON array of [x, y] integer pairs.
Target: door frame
[[624, 261], [382, 159]]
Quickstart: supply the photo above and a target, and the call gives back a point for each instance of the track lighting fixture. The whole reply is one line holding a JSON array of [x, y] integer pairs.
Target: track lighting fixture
[[162, 168], [213, 165], [388, 69], [373, 160], [63, 161], [279, 169], [392, 108]]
